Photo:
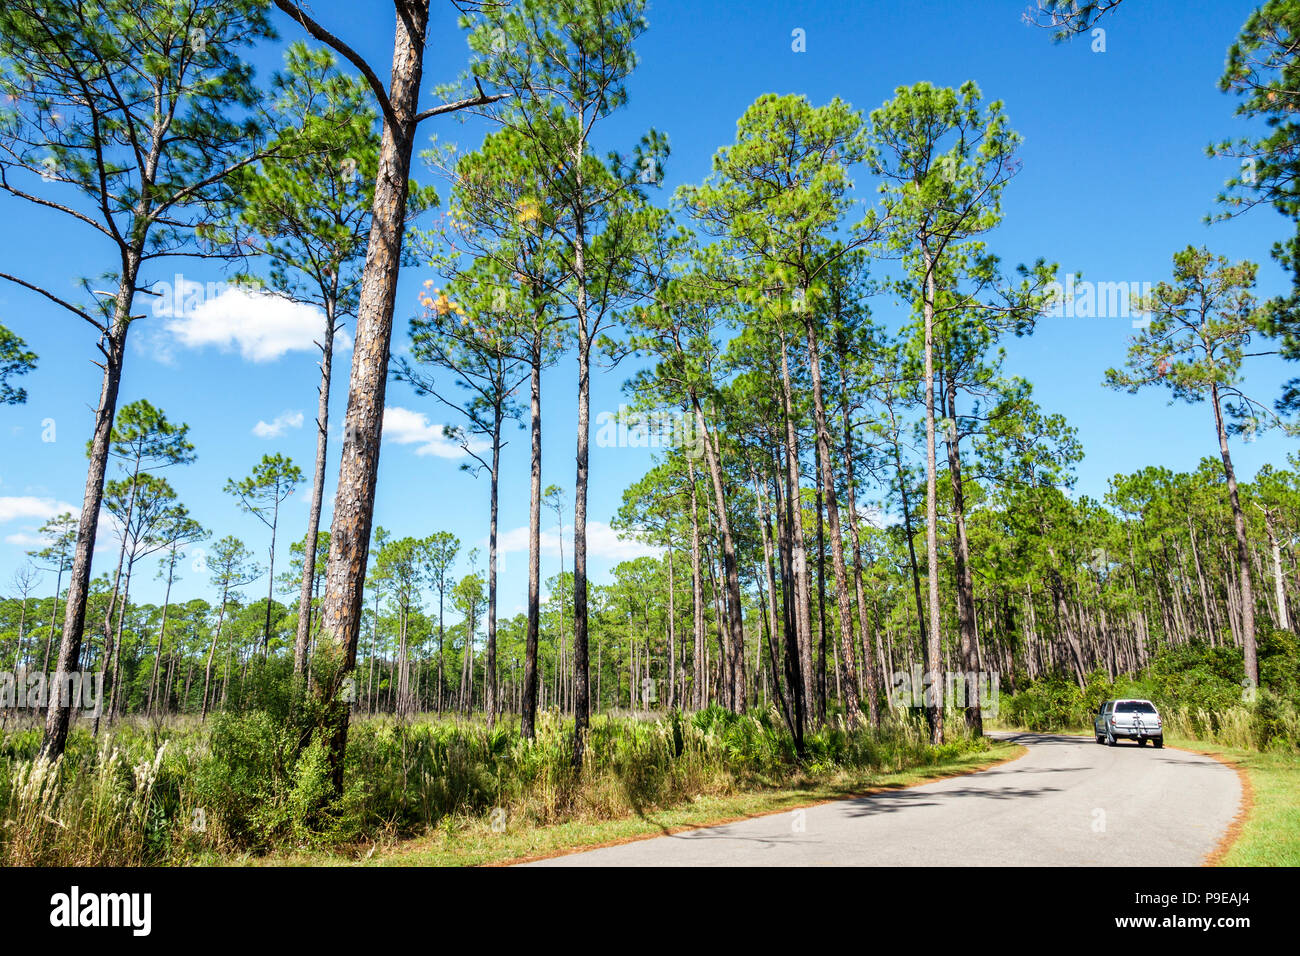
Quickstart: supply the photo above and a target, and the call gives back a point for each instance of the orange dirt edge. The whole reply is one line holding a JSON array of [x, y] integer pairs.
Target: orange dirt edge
[[1233, 833]]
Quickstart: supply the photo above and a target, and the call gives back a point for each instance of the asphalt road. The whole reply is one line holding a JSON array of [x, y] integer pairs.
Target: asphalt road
[[1067, 802]]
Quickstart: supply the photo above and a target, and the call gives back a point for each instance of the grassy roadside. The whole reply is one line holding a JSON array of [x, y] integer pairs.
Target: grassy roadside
[[1268, 831], [472, 842]]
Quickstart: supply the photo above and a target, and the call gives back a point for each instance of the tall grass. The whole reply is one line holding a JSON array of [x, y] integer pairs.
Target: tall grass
[[176, 793], [101, 815]]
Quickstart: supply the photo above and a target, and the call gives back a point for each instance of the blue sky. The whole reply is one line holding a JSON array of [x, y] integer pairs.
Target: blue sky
[[1115, 179]]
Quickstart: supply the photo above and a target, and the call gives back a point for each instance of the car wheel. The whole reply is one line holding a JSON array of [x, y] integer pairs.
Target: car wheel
[[1110, 739], [1158, 741]]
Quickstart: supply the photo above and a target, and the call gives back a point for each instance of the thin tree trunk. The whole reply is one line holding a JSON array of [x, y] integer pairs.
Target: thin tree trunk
[[162, 632], [847, 681], [697, 593], [581, 688], [528, 707], [794, 517], [934, 646], [1279, 582], [789, 627], [212, 650], [735, 664], [961, 560], [672, 635], [1243, 548], [490, 676], [74, 618], [54, 616], [868, 666], [303, 637], [770, 622], [114, 677]]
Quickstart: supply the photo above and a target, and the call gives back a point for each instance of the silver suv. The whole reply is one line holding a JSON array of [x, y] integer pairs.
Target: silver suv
[[1128, 720]]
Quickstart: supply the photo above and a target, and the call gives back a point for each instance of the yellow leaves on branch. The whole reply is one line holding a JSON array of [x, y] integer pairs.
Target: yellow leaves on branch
[[441, 304], [444, 306], [529, 212]]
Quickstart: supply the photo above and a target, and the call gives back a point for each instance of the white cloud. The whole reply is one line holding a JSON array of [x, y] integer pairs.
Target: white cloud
[[877, 518], [25, 539], [30, 506], [276, 427], [516, 539], [262, 325], [602, 542], [407, 427]]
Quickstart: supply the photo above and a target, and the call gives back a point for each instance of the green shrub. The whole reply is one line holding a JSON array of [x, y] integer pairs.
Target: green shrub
[[1200, 691], [181, 791]]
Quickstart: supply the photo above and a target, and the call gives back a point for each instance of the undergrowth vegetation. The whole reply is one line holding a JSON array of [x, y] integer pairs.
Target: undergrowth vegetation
[[1200, 690], [177, 792]]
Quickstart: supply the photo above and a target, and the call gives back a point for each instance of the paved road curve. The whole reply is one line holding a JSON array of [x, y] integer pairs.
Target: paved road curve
[[1067, 802]]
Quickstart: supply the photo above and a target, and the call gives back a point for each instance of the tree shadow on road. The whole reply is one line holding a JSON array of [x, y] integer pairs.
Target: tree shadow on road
[[879, 803]]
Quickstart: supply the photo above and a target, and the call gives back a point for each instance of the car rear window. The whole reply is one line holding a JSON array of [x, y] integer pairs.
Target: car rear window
[[1134, 707]]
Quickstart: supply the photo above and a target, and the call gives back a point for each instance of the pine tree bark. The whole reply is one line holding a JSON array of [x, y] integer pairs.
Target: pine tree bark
[[961, 561], [934, 692], [212, 650], [74, 618], [359, 465], [848, 677], [1249, 651], [302, 639], [700, 681], [1279, 581], [162, 632], [868, 665], [794, 520], [528, 705], [490, 659], [735, 649]]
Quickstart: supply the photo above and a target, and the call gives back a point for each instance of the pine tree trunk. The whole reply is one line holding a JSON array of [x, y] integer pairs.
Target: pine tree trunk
[[788, 625], [303, 637], [847, 681], [818, 506], [212, 650], [735, 649], [868, 665], [74, 618], [54, 612], [528, 706], [490, 661], [1279, 582], [794, 519], [961, 560], [672, 634], [162, 632], [358, 468], [934, 646], [113, 647], [770, 620], [1243, 548], [697, 595]]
